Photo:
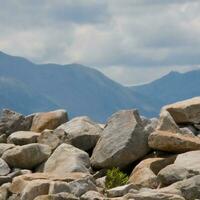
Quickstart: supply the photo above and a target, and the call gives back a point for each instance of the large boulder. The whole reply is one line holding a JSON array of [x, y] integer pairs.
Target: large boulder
[[23, 137], [173, 142], [11, 121], [4, 147], [123, 141], [27, 156], [48, 120], [187, 111], [81, 132], [67, 158], [145, 173]]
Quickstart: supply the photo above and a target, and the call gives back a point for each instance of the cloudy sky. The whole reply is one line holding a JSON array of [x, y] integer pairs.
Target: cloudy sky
[[132, 41]]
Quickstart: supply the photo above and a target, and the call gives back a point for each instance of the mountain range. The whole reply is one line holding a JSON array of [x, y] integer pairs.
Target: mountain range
[[28, 87]]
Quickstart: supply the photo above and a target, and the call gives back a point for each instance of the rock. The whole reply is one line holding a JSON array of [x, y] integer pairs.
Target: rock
[[167, 123], [152, 195], [14, 197], [67, 158], [48, 120], [123, 141], [171, 142], [60, 196], [92, 195], [81, 186], [20, 182], [58, 187], [188, 188], [185, 111], [11, 121], [49, 138], [34, 189], [100, 182], [81, 132], [23, 137], [27, 156], [173, 173], [4, 168], [145, 173], [4, 192], [4, 147], [119, 191], [3, 138]]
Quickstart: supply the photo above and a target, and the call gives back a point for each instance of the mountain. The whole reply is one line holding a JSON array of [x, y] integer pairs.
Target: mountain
[[171, 88], [78, 89]]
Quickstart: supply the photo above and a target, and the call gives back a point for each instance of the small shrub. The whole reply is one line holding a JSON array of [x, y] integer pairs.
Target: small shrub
[[115, 177]]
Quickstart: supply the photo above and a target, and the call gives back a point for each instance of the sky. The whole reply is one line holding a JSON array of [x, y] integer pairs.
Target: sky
[[131, 41]]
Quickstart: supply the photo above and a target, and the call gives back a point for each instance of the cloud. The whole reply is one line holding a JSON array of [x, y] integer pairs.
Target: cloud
[[117, 36]]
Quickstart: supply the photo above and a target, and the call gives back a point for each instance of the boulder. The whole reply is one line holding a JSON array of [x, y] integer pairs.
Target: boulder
[[185, 111], [172, 142], [11, 121], [20, 182], [34, 189], [49, 138], [145, 173], [4, 168], [48, 120], [4, 147], [122, 141], [23, 137], [92, 195], [58, 187], [67, 158], [59, 196], [81, 132], [27, 156]]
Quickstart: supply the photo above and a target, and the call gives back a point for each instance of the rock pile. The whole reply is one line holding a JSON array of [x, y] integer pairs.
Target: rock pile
[[44, 156]]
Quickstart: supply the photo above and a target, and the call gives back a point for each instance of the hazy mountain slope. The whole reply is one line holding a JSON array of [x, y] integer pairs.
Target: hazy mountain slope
[[171, 88], [17, 96], [78, 89]]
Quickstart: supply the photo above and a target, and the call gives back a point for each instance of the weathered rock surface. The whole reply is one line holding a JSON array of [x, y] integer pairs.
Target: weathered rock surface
[[92, 195], [172, 142], [26, 156], [67, 158], [23, 137], [4, 147], [81, 132], [11, 121], [145, 173], [4, 168], [185, 111], [48, 120], [59, 196], [123, 141]]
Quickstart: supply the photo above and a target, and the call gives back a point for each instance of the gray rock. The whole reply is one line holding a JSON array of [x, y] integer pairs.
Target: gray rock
[[81, 132], [67, 158], [11, 121], [59, 196], [27, 156], [23, 137], [4, 168], [123, 141], [4, 147], [58, 187], [92, 195]]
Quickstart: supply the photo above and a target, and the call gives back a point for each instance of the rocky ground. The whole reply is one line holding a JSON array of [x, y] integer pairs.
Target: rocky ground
[[44, 156]]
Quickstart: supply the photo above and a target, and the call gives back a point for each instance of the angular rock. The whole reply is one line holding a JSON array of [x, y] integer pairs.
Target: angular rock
[[67, 158], [92, 195], [23, 137], [34, 189], [172, 142], [185, 111], [145, 173], [20, 182], [123, 141], [4, 192], [81, 132], [48, 120], [119, 191], [58, 187], [11, 121], [49, 138], [27, 156]]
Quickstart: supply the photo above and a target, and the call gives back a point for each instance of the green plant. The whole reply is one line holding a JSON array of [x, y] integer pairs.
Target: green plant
[[115, 177]]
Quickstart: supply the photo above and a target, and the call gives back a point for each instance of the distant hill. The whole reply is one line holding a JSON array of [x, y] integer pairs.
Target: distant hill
[[171, 88], [78, 89]]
